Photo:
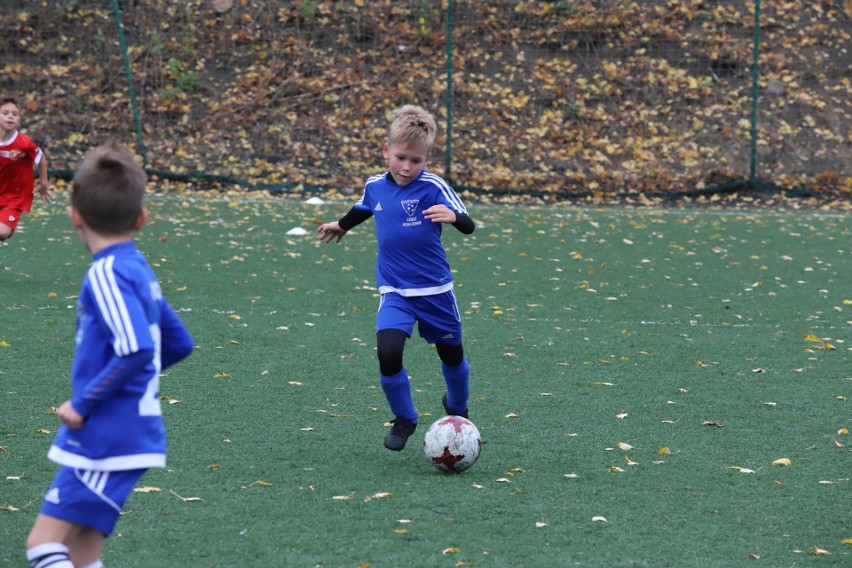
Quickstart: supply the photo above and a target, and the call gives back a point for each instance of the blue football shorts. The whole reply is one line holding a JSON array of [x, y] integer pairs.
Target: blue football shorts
[[437, 317], [89, 498]]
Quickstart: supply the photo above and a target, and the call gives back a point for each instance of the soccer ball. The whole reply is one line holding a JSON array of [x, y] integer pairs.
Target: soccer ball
[[452, 444]]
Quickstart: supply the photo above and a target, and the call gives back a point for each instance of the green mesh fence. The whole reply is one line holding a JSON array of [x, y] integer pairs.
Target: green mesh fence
[[535, 98]]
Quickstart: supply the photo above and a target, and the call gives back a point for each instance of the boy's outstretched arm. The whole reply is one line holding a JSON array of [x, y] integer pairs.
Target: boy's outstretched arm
[[328, 231], [43, 187], [356, 216]]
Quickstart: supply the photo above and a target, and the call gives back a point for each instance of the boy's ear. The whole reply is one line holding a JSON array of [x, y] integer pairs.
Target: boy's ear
[[76, 219], [141, 220], [386, 151]]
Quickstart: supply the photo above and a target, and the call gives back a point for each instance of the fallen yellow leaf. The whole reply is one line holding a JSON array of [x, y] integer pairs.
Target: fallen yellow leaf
[[146, 489], [782, 462], [664, 451], [820, 552], [381, 495], [186, 499]]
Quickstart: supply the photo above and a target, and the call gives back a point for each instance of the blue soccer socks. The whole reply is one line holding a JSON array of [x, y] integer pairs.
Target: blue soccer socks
[[398, 393], [458, 386]]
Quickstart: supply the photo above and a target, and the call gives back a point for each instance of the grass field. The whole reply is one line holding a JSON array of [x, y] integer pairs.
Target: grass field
[[635, 375]]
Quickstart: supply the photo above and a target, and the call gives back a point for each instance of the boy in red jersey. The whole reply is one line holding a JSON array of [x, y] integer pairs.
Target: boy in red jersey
[[18, 154]]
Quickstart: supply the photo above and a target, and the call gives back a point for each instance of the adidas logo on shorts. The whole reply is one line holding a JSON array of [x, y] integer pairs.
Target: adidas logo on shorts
[[52, 496]]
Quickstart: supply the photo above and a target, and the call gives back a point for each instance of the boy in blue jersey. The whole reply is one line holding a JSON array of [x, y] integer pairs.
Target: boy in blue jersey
[[112, 427], [410, 206]]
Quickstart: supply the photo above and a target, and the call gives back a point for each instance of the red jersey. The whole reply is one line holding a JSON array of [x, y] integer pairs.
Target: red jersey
[[18, 155]]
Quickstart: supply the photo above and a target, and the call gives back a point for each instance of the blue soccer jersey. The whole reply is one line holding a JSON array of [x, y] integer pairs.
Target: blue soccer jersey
[[411, 260], [126, 334]]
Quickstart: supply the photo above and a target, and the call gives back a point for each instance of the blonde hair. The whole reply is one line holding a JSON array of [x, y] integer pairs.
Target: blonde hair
[[412, 123]]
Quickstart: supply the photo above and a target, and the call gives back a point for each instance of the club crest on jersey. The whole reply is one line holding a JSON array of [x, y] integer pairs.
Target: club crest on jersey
[[410, 208]]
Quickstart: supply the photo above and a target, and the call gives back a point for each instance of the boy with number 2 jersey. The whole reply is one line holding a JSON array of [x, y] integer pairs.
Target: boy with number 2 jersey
[[127, 333]]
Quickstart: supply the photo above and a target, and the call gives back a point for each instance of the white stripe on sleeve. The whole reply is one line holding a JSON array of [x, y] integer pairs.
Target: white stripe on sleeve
[[112, 307]]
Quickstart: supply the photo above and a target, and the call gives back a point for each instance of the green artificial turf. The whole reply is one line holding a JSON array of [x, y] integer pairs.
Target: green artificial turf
[[711, 343]]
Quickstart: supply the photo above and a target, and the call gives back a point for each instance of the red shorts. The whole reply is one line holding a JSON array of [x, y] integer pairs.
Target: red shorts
[[10, 217]]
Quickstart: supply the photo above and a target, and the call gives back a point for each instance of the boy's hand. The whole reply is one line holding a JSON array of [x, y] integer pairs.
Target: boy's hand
[[328, 231], [440, 214], [69, 416], [44, 190]]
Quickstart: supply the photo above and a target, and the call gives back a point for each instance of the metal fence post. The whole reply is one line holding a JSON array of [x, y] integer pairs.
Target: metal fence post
[[140, 142], [448, 146], [755, 74]]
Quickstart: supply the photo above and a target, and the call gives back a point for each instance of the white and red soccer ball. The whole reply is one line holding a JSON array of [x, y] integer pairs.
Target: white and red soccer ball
[[452, 444]]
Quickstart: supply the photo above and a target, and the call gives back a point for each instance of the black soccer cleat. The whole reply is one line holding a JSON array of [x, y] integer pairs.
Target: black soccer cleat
[[401, 430], [450, 412]]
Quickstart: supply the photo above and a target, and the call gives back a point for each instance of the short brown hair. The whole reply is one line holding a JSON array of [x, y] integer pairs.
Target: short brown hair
[[412, 123], [9, 100], [108, 189]]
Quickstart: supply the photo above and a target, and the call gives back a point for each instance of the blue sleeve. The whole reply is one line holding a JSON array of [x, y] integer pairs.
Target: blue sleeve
[[117, 372], [177, 342]]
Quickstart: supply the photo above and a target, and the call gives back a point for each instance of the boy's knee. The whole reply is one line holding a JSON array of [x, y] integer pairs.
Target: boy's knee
[[390, 344], [451, 355]]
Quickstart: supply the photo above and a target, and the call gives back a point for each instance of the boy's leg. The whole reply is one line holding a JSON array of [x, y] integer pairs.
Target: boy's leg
[[8, 222], [57, 543], [79, 511], [439, 322], [390, 344], [394, 323], [456, 373]]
